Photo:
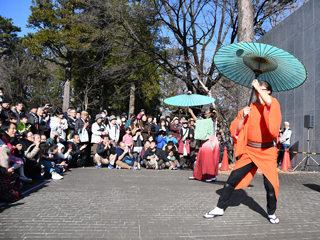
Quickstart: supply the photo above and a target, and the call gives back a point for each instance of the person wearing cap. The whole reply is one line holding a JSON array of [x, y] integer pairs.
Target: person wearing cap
[[113, 130], [83, 127], [171, 138], [175, 127], [6, 111], [98, 129], [58, 125], [33, 118]]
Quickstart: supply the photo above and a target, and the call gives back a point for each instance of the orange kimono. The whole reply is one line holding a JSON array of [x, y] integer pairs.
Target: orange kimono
[[261, 126]]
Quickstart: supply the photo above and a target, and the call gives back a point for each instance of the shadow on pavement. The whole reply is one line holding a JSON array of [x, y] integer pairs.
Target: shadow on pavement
[[28, 189], [241, 197], [312, 186]]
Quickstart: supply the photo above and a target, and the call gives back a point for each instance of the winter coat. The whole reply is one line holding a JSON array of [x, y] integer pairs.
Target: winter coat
[[57, 127], [104, 153], [97, 130], [33, 119]]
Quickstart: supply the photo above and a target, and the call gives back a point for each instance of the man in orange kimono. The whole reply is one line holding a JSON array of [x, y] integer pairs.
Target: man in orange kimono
[[253, 131]]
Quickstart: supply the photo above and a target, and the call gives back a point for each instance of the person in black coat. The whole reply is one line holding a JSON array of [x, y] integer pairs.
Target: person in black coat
[[106, 153], [6, 111], [78, 152], [33, 118], [71, 119], [81, 124], [153, 152]]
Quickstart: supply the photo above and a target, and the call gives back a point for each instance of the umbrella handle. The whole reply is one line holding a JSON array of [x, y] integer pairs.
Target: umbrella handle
[[256, 75], [253, 90]]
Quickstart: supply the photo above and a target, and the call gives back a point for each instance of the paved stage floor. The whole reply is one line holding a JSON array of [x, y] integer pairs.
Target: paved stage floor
[[102, 203]]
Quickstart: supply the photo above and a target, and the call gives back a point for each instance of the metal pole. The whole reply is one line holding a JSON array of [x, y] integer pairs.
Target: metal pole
[[308, 141]]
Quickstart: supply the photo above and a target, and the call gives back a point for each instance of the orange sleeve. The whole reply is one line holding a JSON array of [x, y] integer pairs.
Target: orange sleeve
[[234, 126], [240, 146], [273, 118]]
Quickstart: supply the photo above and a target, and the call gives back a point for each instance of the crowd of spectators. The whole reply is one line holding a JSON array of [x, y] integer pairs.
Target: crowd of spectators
[[42, 143]]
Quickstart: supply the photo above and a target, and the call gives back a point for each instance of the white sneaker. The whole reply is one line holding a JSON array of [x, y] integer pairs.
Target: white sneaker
[[211, 179], [214, 212], [56, 176], [191, 178]]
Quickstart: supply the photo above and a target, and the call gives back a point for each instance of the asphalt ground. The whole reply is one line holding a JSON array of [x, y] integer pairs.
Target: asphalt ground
[[106, 203]]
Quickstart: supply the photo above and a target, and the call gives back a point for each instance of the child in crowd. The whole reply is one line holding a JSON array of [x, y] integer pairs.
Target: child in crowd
[[143, 150], [64, 156], [172, 138], [162, 139], [23, 126], [127, 138], [150, 138], [56, 166], [172, 160]]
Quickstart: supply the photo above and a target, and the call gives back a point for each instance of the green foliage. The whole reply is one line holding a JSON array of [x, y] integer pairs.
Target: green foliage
[[8, 36]]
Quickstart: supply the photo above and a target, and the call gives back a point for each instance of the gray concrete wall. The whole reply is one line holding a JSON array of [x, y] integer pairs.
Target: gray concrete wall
[[299, 34]]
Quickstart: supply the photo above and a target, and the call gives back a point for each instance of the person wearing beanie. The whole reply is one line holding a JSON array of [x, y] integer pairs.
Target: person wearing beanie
[[113, 130], [33, 118], [6, 111]]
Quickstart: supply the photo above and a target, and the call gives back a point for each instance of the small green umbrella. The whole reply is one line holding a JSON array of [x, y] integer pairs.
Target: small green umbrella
[[189, 100], [243, 62]]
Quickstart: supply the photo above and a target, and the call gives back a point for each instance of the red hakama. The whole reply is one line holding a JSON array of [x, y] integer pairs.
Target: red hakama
[[208, 160]]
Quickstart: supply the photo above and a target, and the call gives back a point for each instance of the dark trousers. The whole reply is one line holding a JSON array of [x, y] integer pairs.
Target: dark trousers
[[235, 178]]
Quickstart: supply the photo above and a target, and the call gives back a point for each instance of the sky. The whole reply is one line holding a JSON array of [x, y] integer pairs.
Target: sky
[[19, 11]]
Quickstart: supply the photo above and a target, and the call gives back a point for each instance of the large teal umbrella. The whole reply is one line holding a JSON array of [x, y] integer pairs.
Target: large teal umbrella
[[189, 100], [243, 62]]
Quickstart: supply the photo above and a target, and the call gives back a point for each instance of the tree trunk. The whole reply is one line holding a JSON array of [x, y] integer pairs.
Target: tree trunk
[[245, 21], [245, 34], [66, 93], [132, 98]]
